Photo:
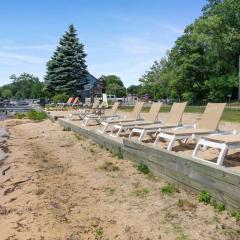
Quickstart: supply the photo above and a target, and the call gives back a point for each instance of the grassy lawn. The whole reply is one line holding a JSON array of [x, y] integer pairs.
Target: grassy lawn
[[229, 115]]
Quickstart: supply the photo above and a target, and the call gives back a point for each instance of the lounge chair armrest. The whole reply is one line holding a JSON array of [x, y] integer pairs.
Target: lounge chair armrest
[[184, 127]]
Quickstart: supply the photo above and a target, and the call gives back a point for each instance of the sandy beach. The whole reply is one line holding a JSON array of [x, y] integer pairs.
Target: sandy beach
[[56, 185]]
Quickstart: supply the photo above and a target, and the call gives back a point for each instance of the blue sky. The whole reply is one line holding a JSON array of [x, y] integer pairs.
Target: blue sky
[[121, 37]]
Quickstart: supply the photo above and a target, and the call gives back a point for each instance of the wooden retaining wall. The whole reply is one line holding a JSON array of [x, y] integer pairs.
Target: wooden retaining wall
[[223, 183]]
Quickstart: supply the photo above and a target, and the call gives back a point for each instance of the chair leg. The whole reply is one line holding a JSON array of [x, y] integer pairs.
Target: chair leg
[[85, 121], [195, 151], [130, 135], [171, 143], [222, 154], [142, 135], [156, 140]]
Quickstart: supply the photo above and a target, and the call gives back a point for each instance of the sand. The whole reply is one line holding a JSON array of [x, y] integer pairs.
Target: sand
[[61, 186]]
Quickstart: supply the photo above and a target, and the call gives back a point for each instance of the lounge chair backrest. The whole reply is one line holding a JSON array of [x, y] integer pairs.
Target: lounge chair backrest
[[175, 115], [211, 116], [112, 111], [152, 115], [76, 100], [70, 100], [137, 109]]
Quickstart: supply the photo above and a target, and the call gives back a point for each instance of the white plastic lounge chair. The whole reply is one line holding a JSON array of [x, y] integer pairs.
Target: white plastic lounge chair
[[207, 125], [134, 116], [151, 117], [223, 142], [109, 114], [173, 120], [81, 113]]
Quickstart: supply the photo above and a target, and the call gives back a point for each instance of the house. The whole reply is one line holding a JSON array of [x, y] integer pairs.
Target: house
[[91, 87]]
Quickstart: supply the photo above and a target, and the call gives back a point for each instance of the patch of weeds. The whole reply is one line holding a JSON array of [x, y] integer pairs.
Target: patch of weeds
[[186, 205], [219, 206], [110, 191], [235, 214], [178, 231], [20, 115], [66, 129], [79, 137], [99, 232], [109, 166], [119, 153], [143, 168], [151, 177], [36, 115], [204, 196], [141, 192], [169, 189]]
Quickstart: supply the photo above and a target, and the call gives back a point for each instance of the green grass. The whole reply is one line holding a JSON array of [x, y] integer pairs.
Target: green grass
[[36, 115], [141, 192], [169, 189], [229, 115], [143, 168]]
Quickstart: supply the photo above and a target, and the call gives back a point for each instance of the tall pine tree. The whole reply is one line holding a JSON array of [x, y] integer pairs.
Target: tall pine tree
[[67, 68]]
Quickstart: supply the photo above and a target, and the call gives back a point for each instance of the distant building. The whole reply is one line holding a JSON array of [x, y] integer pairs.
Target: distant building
[[91, 88]]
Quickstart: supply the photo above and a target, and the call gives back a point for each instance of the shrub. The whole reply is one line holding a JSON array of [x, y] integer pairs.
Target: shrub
[[169, 189], [36, 115], [60, 97], [204, 197], [142, 167]]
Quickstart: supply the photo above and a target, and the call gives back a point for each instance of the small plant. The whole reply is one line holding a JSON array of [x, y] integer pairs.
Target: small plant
[[186, 205], [99, 232], [36, 115], [66, 129], [119, 153], [219, 206], [142, 192], [79, 137], [142, 167], [169, 189], [109, 166], [204, 197]]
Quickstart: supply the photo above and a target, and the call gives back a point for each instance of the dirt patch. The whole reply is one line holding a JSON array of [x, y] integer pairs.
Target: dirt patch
[[63, 187]]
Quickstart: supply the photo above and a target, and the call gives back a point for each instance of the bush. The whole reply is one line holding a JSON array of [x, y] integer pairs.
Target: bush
[[142, 167], [36, 115], [60, 97], [204, 197]]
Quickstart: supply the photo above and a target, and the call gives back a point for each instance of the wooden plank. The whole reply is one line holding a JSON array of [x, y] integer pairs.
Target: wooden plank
[[221, 182]]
